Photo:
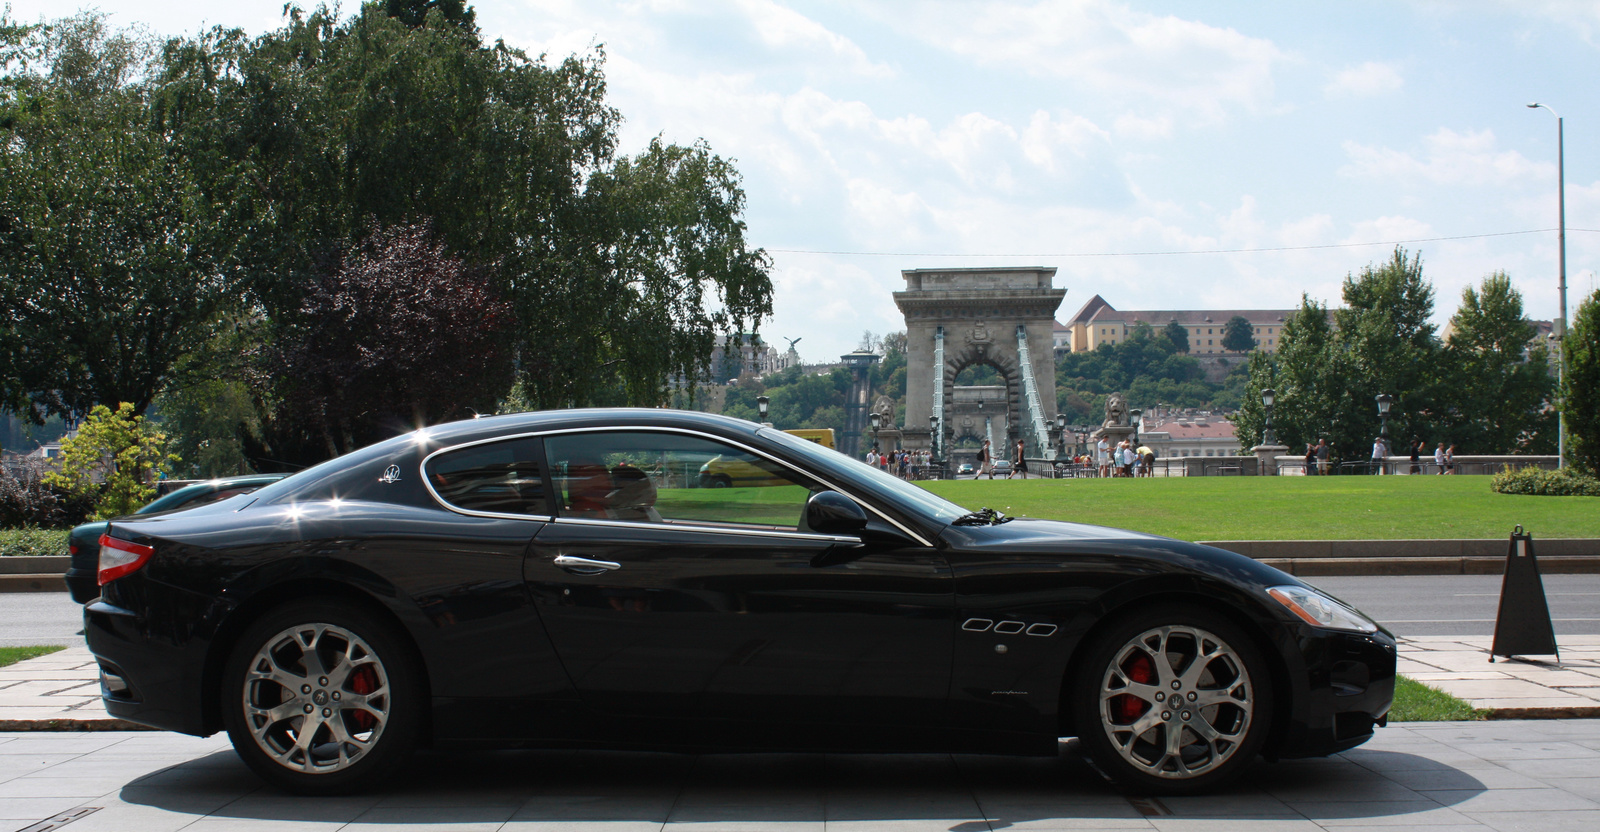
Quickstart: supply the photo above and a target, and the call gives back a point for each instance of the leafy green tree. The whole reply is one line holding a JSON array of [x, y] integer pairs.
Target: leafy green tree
[[1389, 346], [1501, 383], [1178, 335], [1580, 393], [621, 271], [1308, 374], [114, 266], [1238, 335], [117, 454]]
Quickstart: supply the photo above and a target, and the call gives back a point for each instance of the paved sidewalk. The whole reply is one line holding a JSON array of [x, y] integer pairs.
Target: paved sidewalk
[[1531, 687], [61, 691], [1508, 776]]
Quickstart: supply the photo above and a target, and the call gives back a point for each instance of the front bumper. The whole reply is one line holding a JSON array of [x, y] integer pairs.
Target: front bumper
[[1349, 688]]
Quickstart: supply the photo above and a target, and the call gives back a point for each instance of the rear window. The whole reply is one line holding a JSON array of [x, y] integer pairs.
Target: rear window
[[495, 477]]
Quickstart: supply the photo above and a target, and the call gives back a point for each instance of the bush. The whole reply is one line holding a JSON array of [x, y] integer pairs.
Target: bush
[[27, 500], [1564, 482], [16, 543]]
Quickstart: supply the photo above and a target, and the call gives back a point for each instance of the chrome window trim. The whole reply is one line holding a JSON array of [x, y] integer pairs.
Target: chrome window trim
[[681, 527], [740, 445], [422, 473]]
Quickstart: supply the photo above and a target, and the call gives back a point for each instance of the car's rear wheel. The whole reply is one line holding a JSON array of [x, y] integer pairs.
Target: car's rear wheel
[[1175, 700], [320, 697]]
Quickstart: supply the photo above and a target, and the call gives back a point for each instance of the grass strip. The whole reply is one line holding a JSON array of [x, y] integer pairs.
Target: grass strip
[[1287, 508], [12, 655], [1416, 702]]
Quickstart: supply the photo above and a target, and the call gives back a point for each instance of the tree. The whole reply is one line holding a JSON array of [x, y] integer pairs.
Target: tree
[[1238, 335], [1580, 392], [398, 334], [114, 266], [120, 451], [621, 271], [1178, 335], [1388, 346], [1501, 384], [1308, 374]]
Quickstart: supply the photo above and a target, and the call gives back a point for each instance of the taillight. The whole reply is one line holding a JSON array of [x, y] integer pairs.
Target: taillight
[[120, 557]]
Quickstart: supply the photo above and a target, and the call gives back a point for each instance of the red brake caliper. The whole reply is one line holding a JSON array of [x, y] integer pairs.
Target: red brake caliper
[[1126, 707], [363, 681]]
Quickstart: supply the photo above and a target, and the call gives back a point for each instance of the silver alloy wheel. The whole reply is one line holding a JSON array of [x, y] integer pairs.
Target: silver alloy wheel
[[316, 698], [1176, 702]]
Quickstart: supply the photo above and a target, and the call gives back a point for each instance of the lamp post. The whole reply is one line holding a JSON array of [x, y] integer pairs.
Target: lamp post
[[933, 427], [1061, 436], [1133, 419], [1384, 402], [1560, 329], [1267, 398], [876, 420], [761, 408]]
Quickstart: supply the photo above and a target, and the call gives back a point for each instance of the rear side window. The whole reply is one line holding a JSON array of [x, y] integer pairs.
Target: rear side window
[[497, 477]]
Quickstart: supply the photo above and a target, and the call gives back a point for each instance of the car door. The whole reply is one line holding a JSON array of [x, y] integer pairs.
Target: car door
[[681, 602]]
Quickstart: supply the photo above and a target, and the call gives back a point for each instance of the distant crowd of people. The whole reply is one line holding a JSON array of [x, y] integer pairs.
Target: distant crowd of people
[[905, 464]]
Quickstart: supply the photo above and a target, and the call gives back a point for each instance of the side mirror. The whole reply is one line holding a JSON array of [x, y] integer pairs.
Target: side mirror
[[829, 512]]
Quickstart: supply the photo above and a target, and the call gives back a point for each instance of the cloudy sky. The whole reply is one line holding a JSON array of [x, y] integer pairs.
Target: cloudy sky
[[1160, 154]]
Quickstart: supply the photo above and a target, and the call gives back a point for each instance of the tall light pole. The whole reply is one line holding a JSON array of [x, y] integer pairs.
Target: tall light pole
[[1560, 329]]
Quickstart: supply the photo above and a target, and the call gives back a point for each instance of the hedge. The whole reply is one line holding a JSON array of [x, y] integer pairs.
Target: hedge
[[1563, 482], [32, 542]]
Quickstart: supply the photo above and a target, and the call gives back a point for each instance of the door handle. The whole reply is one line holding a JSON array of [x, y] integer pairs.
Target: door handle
[[585, 566]]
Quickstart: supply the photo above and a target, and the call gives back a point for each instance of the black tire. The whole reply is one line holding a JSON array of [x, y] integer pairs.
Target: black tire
[[1123, 699], [363, 690], [721, 481]]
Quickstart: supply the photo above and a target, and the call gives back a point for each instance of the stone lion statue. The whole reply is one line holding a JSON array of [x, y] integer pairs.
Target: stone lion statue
[[884, 407], [1116, 410]]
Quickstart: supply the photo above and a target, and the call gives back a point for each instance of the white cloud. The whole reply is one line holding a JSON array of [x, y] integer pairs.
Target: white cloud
[[781, 28], [1368, 79], [1448, 158], [1163, 62]]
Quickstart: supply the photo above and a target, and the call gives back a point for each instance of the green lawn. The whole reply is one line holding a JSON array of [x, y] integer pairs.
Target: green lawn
[[12, 655], [1416, 702], [1286, 508]]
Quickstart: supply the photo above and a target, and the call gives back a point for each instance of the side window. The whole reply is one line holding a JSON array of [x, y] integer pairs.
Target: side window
[[651, 477], [499, 477]]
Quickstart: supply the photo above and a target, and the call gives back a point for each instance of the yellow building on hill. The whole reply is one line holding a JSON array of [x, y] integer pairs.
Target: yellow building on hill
[[1097, 322]]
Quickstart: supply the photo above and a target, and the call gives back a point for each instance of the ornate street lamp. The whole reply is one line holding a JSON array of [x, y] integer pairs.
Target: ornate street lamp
[[1134, 419], [1384, 401], [761, 408], [1061, 436], [1267, 398], [876, 420]]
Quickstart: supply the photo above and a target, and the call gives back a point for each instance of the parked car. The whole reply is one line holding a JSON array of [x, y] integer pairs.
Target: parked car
[[445, 588], [83, 542]]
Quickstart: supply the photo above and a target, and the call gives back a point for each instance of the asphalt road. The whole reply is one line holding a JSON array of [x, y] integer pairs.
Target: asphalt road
[[1417, 605]]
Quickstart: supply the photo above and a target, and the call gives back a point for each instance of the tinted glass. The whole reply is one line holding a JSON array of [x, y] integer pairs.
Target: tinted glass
[[663, 477], [499, 477]]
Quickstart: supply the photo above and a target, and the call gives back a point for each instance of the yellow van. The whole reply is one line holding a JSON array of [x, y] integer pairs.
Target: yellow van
[[821, 436]]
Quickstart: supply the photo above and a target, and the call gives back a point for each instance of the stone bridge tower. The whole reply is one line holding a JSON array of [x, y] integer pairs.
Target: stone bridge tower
[[957, 318]]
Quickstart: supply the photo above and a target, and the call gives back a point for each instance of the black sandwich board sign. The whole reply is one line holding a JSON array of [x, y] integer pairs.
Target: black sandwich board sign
[[1522, 627]]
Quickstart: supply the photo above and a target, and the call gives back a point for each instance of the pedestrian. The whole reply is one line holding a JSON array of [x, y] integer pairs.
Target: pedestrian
[[872, 457], [1147, 461], [1322, 457], [1416, 455], [1102, 455], [1438, 458], [1380, 453], [1450, 459], [1311, 460], [1127, 458], [985, 461], [1019, 463]]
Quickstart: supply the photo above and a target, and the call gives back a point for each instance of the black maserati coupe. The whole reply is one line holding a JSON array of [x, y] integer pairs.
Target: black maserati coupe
[[570, 579]]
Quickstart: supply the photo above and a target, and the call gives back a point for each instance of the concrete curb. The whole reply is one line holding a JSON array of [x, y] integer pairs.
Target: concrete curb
[[34, 574], [71, 725], [1557, 556]]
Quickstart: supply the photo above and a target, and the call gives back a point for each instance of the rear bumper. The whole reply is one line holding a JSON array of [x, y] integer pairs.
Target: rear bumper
[[151, 670]]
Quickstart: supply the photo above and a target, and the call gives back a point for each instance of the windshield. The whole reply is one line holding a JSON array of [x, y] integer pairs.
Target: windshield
[[830, 460]]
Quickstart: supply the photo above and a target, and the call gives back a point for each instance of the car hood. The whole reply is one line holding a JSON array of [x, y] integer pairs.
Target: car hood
[[1046, 542]]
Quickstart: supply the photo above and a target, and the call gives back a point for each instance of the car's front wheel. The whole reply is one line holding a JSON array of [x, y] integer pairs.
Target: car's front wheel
[[1174, 700], [320, 697]]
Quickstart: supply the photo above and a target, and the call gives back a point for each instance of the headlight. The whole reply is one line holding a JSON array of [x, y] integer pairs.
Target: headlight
[[1319, 610]]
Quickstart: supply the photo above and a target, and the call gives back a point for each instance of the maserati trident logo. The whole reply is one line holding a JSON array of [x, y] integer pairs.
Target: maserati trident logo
[[390, 474]]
